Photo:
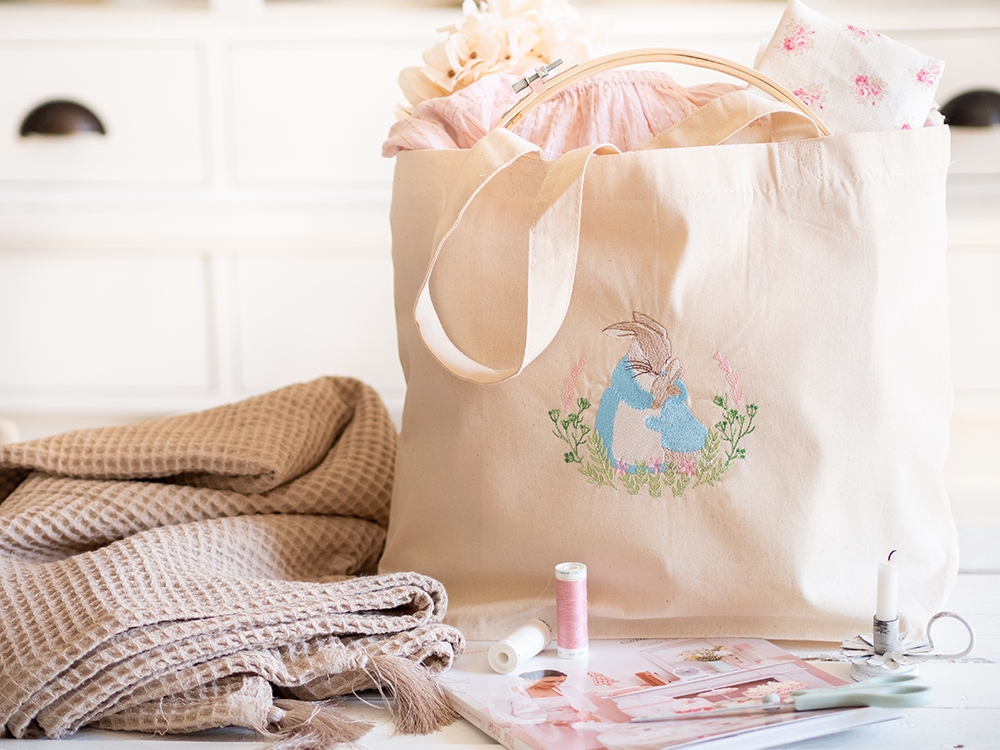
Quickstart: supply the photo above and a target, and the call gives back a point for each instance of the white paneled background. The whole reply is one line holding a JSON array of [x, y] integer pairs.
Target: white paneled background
[[103, 321], [347, 296], [230, 233], [336, 137]]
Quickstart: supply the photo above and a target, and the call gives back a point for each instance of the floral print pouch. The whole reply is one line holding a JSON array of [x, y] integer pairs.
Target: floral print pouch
[[856, 80]]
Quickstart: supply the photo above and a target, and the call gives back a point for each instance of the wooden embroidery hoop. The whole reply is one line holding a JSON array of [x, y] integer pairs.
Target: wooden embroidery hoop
[[544, 86]]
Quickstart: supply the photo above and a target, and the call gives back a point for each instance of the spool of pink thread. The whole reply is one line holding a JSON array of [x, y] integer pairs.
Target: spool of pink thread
[[571, 610]]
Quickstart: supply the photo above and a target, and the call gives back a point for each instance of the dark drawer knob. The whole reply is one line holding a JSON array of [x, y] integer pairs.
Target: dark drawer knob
[[979, 108], [61, 117]]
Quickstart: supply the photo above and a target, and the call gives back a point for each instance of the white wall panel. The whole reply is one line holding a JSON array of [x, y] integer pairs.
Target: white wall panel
[[102, 320], [302, 317], [974, 278], [314, 111]]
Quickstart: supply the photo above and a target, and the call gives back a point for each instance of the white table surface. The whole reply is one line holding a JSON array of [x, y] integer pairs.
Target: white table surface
[[965, 715]]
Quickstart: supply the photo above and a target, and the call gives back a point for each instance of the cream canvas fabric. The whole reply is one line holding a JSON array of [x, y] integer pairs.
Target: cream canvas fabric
[[714, 370]]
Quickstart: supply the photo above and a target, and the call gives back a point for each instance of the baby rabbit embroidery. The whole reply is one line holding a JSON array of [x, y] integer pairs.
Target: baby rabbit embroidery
[[644, 437], [648, 379]]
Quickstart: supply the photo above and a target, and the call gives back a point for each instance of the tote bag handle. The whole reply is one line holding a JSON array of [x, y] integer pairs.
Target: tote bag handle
[[554, 227]]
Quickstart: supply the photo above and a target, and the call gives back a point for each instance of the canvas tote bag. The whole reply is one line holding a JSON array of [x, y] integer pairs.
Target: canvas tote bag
[[714, 370]]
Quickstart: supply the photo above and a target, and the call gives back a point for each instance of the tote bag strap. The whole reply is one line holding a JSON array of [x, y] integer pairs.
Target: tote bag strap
[[553, 245], [554, 227], [730, 116]]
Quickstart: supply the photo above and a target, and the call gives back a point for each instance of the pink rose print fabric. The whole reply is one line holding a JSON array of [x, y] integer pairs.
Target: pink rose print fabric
[[855, 79], [862, 34], [813, 95], [798, 37], [868, 88], [929, 75]]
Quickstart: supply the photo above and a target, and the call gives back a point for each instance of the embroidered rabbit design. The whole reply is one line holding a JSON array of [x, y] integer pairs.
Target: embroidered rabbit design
[[645, 381], [644, 437]]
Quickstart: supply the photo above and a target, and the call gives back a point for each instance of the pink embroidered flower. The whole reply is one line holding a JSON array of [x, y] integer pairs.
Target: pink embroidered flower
[[868, 88], [732, 377], [929, 75], [687, 466], [655, 466], [621, 467], [798, 36], [569, 385], [906, 126], [863, 34], [812, 95]]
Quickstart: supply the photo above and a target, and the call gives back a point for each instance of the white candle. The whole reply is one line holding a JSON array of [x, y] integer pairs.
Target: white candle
[[888, 588]]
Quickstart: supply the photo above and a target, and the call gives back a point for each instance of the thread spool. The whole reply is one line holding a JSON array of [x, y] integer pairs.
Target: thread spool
[[571, 610], [524, 643]]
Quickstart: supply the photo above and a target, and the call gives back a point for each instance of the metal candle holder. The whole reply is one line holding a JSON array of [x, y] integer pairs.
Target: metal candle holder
[[886, 651]]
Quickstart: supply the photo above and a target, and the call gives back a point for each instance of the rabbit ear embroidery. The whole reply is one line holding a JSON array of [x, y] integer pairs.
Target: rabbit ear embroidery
[[645, 436]]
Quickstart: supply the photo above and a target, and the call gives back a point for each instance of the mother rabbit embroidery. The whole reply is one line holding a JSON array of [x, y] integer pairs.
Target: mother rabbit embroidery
[[645, 438], [644, 416]]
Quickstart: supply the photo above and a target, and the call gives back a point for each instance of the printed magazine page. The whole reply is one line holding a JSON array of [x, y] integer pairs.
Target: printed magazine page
[[588, 704]]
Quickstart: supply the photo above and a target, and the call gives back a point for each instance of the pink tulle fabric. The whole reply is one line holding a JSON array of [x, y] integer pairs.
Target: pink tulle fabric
[[623, 107]]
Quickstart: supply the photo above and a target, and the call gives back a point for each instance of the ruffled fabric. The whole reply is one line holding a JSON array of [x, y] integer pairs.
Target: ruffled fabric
[[626, 108]]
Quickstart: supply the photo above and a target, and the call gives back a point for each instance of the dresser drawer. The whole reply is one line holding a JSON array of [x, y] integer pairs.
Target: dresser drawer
[[114, 323], [316, 111], [973, 271], [146, 96], [302, 316]]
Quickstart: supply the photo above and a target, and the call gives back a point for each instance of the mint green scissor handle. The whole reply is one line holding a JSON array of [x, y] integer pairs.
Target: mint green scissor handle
[[888, 691]]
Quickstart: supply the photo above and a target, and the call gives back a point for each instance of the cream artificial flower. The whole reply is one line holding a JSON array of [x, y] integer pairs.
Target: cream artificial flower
[[500, 36]]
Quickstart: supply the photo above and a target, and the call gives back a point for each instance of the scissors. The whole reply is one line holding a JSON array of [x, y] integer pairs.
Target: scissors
[[888, 691]]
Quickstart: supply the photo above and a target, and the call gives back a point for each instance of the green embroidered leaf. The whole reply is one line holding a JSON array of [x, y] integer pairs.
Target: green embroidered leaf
[[734, 427], [571, 431], [709, 460], [633, 482], [600, 462], [655, 486], [669, 475], [683, 482], [594, 475], [712, 474]]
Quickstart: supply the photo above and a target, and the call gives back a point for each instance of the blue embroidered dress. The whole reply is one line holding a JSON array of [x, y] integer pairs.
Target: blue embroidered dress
[[679, 429]]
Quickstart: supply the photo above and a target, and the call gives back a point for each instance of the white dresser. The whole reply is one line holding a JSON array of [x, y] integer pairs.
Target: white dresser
[[229, 233]]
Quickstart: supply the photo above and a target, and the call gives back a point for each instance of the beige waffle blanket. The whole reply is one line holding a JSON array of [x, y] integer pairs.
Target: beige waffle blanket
[[163, 576]]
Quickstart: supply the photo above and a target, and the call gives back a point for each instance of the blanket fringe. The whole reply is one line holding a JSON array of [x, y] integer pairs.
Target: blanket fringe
[[304, 725], [419, 704]]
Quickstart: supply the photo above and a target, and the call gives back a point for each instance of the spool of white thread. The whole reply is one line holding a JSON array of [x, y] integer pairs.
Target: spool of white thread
[[524, 643]]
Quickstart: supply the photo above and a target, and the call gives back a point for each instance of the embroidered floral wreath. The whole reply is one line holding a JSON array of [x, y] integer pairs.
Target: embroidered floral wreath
[[500, 36]]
